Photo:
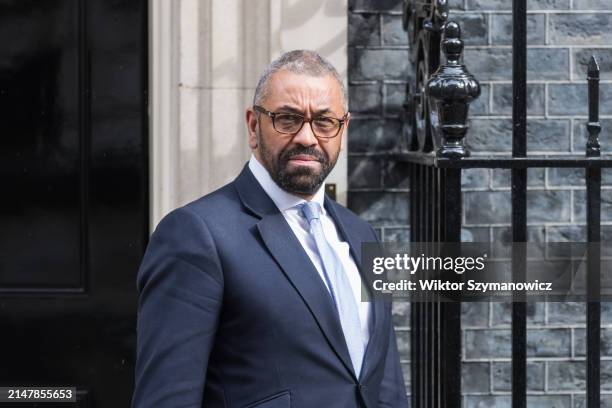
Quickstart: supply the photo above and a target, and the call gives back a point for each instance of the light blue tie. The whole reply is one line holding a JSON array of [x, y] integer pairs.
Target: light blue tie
[[339, 286]]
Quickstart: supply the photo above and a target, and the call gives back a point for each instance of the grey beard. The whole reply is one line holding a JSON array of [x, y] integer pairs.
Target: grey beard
[[301, 181]]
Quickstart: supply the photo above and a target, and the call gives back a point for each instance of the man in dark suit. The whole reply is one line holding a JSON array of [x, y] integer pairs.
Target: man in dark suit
[[250, 296]]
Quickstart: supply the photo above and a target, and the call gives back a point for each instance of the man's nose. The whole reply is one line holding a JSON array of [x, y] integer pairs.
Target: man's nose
[[305, 136]]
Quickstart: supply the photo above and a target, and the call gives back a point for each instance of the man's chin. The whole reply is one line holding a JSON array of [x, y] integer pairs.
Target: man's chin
[[304, 184], [299, 171], [301, 179]]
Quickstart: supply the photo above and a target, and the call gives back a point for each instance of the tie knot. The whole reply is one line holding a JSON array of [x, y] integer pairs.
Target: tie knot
[[311, 210]]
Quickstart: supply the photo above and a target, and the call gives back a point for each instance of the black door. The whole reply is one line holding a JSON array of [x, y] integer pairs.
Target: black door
[[74, 196]]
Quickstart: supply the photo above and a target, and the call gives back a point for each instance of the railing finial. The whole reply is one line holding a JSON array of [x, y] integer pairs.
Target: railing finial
[[450, 90], [452, 44], [593, 126], [593, 67]]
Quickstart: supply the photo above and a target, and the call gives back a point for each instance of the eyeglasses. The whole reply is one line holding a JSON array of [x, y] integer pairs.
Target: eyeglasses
[[324, 127]]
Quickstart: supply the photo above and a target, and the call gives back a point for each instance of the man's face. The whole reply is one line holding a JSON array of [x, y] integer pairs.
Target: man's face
[[300, 162]]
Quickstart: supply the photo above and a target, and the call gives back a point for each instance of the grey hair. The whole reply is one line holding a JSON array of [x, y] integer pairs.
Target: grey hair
[[302, 62]]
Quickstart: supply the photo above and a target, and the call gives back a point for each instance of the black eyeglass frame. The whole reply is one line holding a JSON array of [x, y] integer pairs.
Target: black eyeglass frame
[[272, 116]]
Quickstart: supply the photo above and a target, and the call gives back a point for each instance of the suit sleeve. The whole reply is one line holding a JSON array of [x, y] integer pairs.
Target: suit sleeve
[[180, 287], [392, 388]]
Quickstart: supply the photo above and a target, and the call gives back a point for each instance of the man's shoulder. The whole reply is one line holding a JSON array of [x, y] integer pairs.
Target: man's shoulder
[[219, 204], [223, 200]]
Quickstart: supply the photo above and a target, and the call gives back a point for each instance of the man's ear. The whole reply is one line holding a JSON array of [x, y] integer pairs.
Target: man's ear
[[251, 122], [345, 131]]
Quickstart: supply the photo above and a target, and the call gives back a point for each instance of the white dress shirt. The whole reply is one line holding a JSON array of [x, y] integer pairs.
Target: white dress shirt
[[287, 204]]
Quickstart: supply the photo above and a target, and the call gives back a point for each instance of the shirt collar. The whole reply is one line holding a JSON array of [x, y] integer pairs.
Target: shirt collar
[[280, 197]]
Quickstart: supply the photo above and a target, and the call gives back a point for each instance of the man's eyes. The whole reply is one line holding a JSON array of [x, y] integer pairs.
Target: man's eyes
[[295, 117], [323, 120], [325, 123], [289, 121], [289, 118]]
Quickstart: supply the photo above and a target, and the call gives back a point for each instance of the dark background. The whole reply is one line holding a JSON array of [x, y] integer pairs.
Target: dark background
[[74, 207]]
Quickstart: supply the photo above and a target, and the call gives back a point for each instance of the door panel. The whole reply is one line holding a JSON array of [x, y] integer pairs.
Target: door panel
[[74, 208]]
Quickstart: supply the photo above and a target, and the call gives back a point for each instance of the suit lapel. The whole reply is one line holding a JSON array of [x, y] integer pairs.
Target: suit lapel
[[373, 348], [294, 262], [288, 252]]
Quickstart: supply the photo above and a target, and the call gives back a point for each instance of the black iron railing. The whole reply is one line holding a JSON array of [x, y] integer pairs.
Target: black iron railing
[[436, 117]]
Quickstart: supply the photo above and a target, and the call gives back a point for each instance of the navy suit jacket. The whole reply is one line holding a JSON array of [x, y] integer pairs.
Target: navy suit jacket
[[232, 313]]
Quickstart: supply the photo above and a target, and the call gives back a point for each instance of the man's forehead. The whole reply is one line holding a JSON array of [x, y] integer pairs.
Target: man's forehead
[[294, 87], [293, 82]]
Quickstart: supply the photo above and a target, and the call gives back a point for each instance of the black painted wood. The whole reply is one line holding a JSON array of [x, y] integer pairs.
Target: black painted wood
[[74, 214]]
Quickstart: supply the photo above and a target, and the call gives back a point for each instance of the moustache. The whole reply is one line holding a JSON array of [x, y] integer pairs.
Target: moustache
[[306, 151]]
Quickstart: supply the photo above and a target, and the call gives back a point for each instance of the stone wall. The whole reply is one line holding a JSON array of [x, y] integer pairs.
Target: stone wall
[[562, 35]]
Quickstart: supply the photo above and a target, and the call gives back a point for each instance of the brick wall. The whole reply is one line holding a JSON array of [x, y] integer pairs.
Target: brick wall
[[562, 35]]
